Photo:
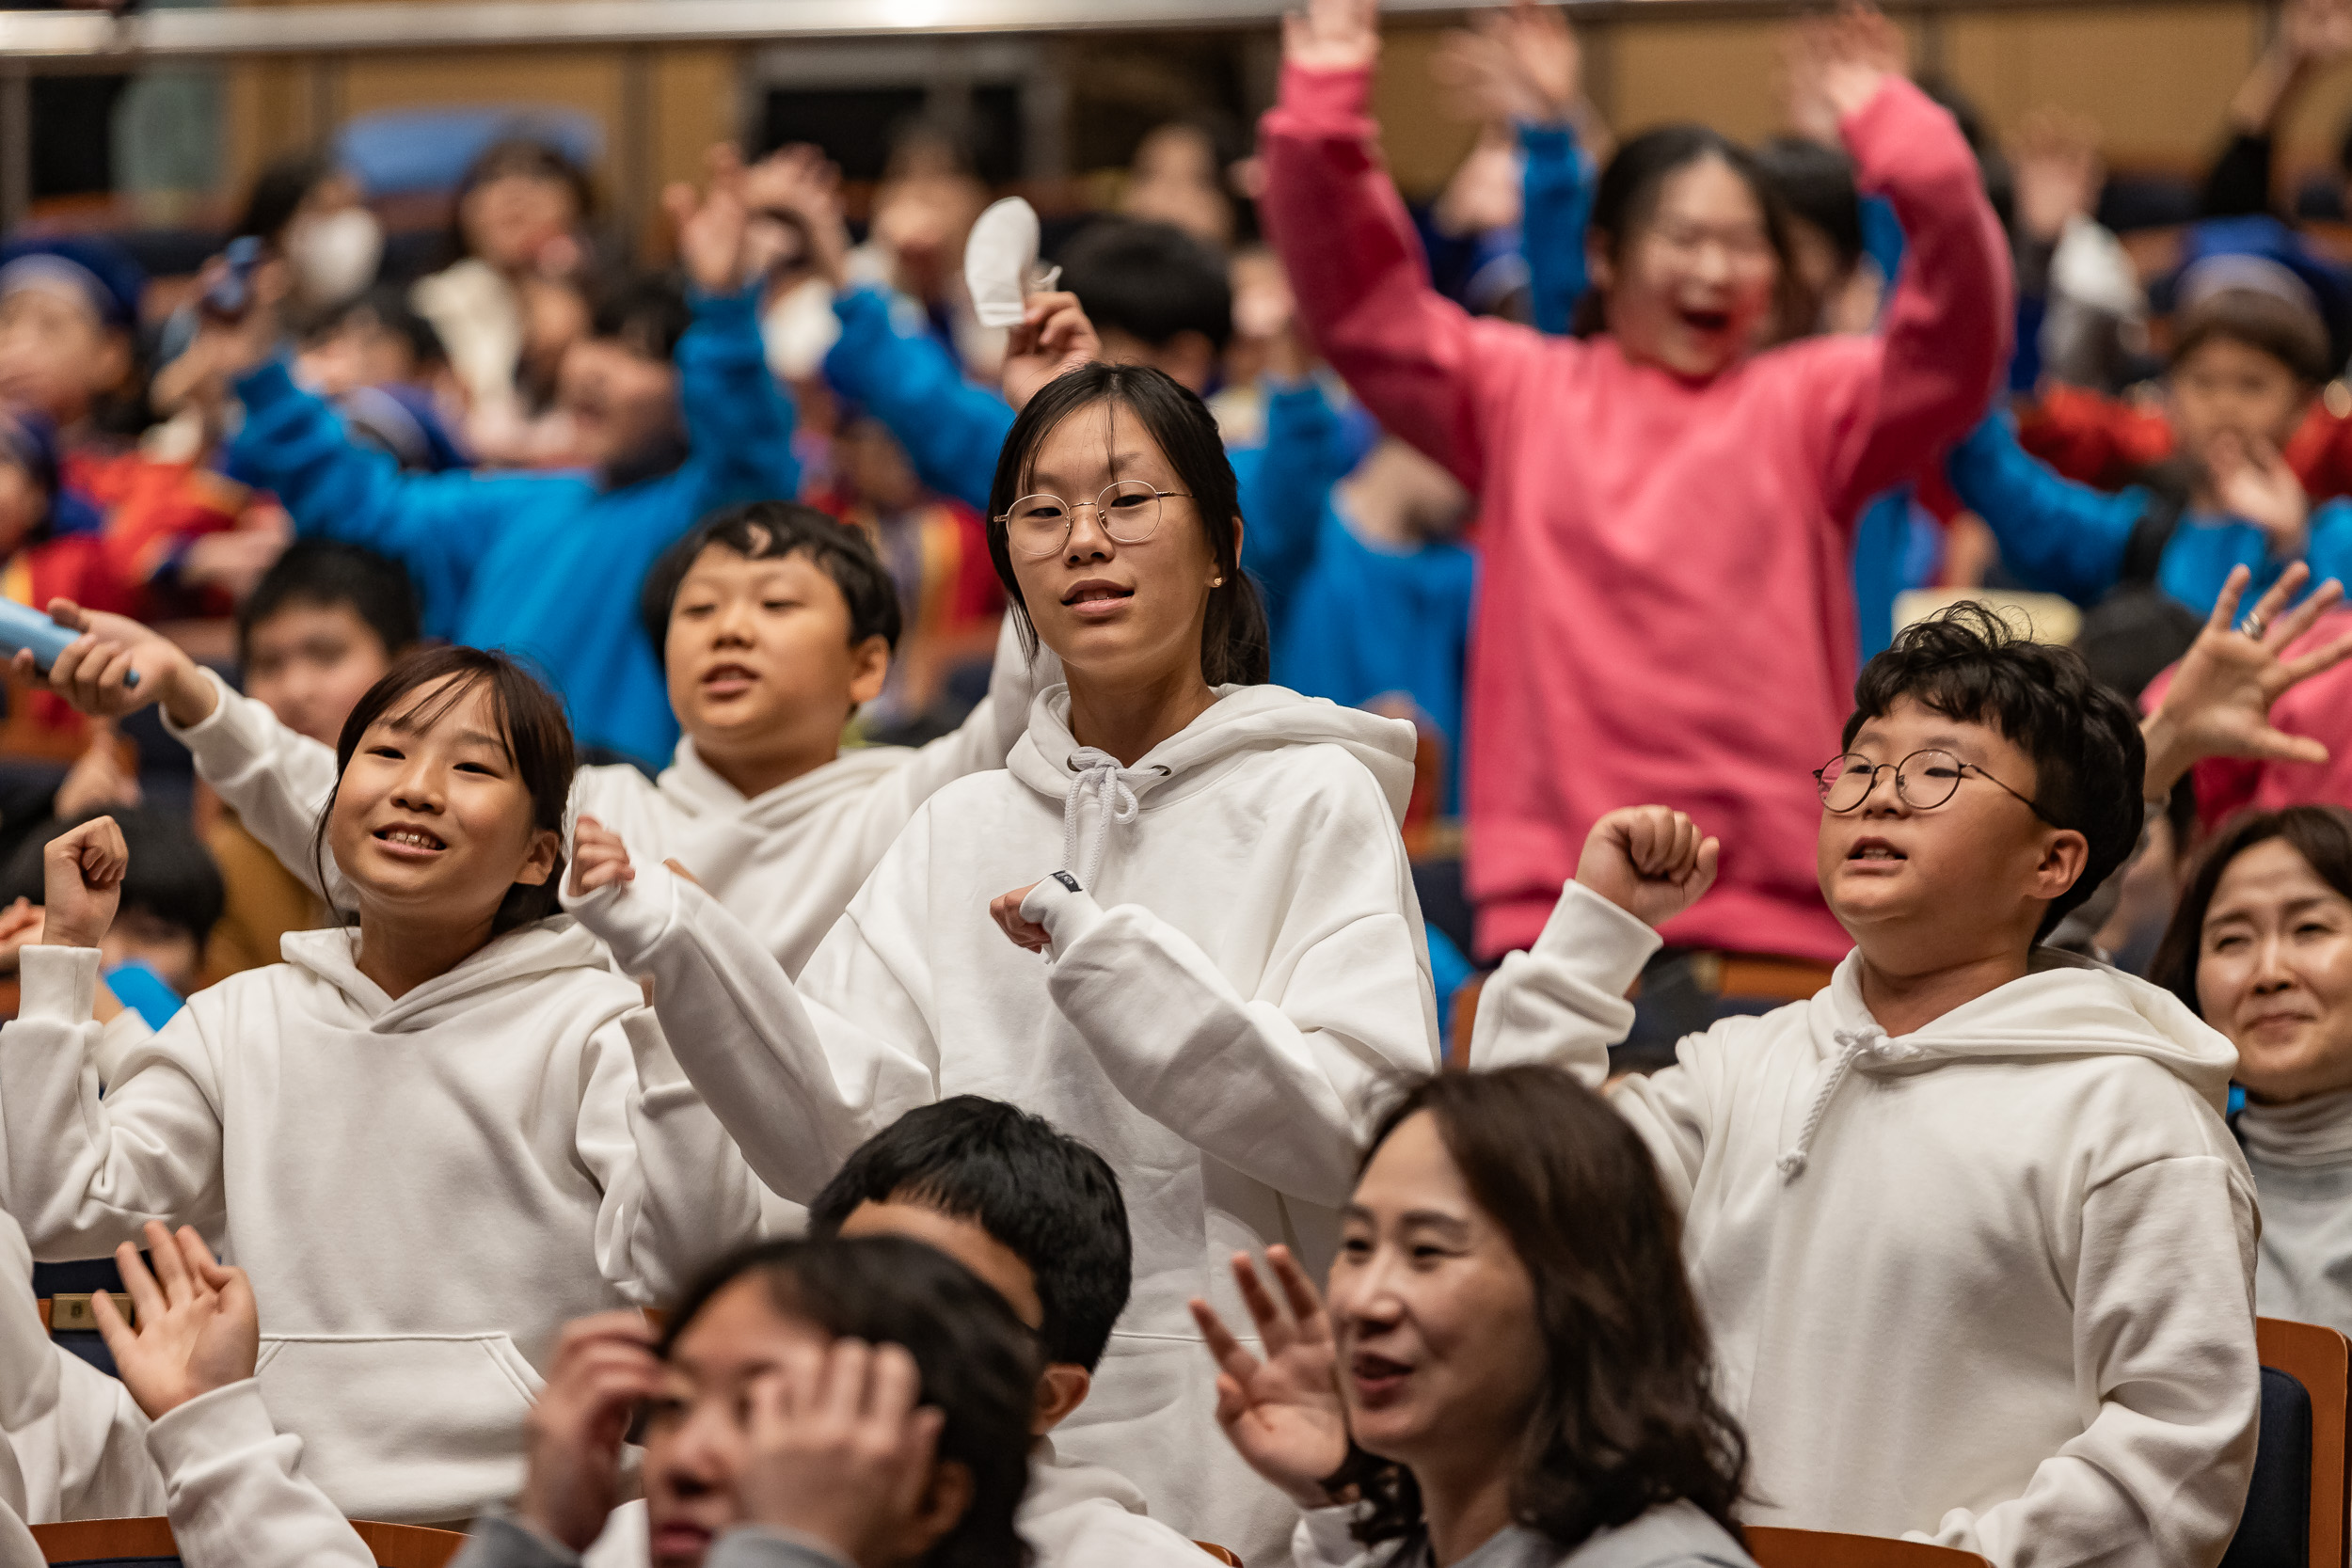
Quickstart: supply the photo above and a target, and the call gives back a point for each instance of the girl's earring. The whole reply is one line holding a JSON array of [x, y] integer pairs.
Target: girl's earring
[[1217, 582]]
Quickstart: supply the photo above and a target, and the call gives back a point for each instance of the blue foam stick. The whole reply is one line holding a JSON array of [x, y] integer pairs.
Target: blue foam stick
[[23, 626]]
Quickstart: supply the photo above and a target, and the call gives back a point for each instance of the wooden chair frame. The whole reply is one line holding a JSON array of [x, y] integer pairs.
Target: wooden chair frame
[[1773, 1548], [2321, 1360], [395, 1545]]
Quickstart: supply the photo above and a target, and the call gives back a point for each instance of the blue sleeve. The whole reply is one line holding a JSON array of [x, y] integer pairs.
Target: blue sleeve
[[952, 430], [738, 422], [437, 525], [2056, 535], [1286, 488], [2329, 550], [1883, 236], [1557, 206]]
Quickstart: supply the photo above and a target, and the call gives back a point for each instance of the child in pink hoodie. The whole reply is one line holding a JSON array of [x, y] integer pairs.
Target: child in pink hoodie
[[1666, 611]]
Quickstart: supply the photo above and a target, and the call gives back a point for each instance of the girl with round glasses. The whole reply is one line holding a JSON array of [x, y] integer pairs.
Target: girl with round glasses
[[1211, 869]]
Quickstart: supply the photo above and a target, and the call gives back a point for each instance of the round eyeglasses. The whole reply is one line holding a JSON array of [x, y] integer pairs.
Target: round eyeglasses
[[1924, 781], [1128, 510]]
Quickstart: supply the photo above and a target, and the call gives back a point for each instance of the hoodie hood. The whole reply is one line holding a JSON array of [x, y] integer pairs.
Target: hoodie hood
[[1244, 719], [2065, 1006], [520, 956], [697, 790]]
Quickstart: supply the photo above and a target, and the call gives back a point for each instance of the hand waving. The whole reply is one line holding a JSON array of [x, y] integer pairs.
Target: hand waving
[[1282, 1414], [2219, 704], [1520, 64], [710, 225], [1333, 35], [1648, 860], [198, 1328]]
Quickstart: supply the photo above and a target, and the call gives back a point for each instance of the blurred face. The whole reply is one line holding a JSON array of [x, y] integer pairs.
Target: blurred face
[[310, 664], [140, 936], [56, 354], [759, 658], [509, 220], [23, 505], [1116, 612], [1175, 180], [1694, 283], [359, 353], [2225, 388], [2274, 972], [620, 402], [1902, 878], [1439, 1352], [432, 820]]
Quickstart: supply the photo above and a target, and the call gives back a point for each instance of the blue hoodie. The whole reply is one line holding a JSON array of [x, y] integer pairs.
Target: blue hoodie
[[545, 565]]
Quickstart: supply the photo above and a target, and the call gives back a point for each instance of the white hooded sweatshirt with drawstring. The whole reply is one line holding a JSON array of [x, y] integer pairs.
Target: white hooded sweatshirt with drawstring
[[1240, 963], [1988, 1284], [422, 1189]]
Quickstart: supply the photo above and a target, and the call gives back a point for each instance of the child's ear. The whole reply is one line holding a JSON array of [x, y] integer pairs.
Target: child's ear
[[870, 667], [941, 1508], [1061, 1390], [2063, 859], [546, 848]]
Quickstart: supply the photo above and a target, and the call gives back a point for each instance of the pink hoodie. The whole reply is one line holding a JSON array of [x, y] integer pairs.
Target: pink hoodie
[[1666, 611]]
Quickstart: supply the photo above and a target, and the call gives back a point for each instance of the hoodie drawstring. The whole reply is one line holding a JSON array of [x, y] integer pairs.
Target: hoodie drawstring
[[1853, 1044], [1103, 780]]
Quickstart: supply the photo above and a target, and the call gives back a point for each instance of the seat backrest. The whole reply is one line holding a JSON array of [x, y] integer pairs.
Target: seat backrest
[[2274, 1530], [408, 1546], [1813, 1548], [1220, 1553], [148, 1543], [2321, 1360]]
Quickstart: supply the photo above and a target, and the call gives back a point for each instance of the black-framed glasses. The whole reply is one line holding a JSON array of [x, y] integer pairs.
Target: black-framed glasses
[[1924, 781], [1128, 510]]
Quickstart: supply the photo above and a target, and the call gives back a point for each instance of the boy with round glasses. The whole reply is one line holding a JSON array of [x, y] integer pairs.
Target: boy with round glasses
[[1974, 1239]]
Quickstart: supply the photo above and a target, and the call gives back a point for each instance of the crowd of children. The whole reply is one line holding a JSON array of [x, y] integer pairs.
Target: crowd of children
[[1337, 894]]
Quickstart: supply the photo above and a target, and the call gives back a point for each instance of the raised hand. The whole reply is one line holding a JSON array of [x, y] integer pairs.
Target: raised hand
[[1648, 860], [2316, 32], [1332, 34], [1281, 1414], [1005, 909], [1837, 65], [82, 872], [711, 225], [840, 1451], [91, 673], [2056, 163], [2219, 704], [599, 857], [801, 181], [198, 1328], [572, 1438], [1520, 64], [99, 778], [1053, 337], [20, 928], [2252, 481]]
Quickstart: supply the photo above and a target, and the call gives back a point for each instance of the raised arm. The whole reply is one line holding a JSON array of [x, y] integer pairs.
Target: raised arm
[[2058, 536], [1286, 488]]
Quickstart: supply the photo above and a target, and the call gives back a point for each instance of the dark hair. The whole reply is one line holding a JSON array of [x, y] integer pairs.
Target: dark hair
[[645, 312], [1625, 1416], [979, 1363], [278, 191], [2321, 834], [529, 156], [171, 875], [1627, 197], [1046, 1198], [770, 531], [1816, 184], [1233, 640], [1971, 666], [2289, 333], [530, 720], [1151, 280], [329, 574], [387, 305]]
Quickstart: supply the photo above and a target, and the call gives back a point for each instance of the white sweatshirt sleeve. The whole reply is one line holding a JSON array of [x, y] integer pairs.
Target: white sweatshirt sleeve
[[28, 1358], [18, 1549], [676, 1193], [275, 780], [977, 744], [1273, 1084], [102, 1468], [797, 1084], [82, 1173], [1562, 1002], [2164, 1344], [1324, 1538], [237, 1497]]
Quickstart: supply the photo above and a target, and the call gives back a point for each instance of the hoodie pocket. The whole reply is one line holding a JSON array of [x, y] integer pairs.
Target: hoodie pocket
[[410, 1428]]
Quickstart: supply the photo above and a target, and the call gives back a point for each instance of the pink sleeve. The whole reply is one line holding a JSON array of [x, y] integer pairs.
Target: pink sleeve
[[1945, 336], [1415, 357]]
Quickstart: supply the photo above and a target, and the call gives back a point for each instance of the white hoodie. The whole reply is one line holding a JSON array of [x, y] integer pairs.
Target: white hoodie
[[423, 1190], [786, 862], [1989, 1283], [2301, 1157], [77, 1439], [1244, 967]]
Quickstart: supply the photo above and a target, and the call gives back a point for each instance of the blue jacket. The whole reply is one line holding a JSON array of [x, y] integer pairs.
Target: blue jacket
[[546, 566], [2065, 538]]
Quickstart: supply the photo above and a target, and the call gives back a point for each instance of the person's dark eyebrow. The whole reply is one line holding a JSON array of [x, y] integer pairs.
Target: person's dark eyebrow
[[1434, 1219]]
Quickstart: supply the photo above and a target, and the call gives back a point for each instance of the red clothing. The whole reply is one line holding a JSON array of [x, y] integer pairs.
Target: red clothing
[[1666, 608], [2107, 441]]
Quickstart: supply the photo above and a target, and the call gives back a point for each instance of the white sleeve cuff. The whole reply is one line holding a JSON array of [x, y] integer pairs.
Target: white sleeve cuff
[[1597, 935], [193, 735], [629, 916], [210, 1427], [1066, 910], [60, 984]]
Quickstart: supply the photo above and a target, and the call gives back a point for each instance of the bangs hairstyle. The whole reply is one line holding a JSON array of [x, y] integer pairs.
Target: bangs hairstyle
[[1234, 649], [1626, 199], [979, 1363], [1625, 1414], [1044, 1195], [1971, 666], [2289, 333], [531, 722], [2321, 834], [771, 531]]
